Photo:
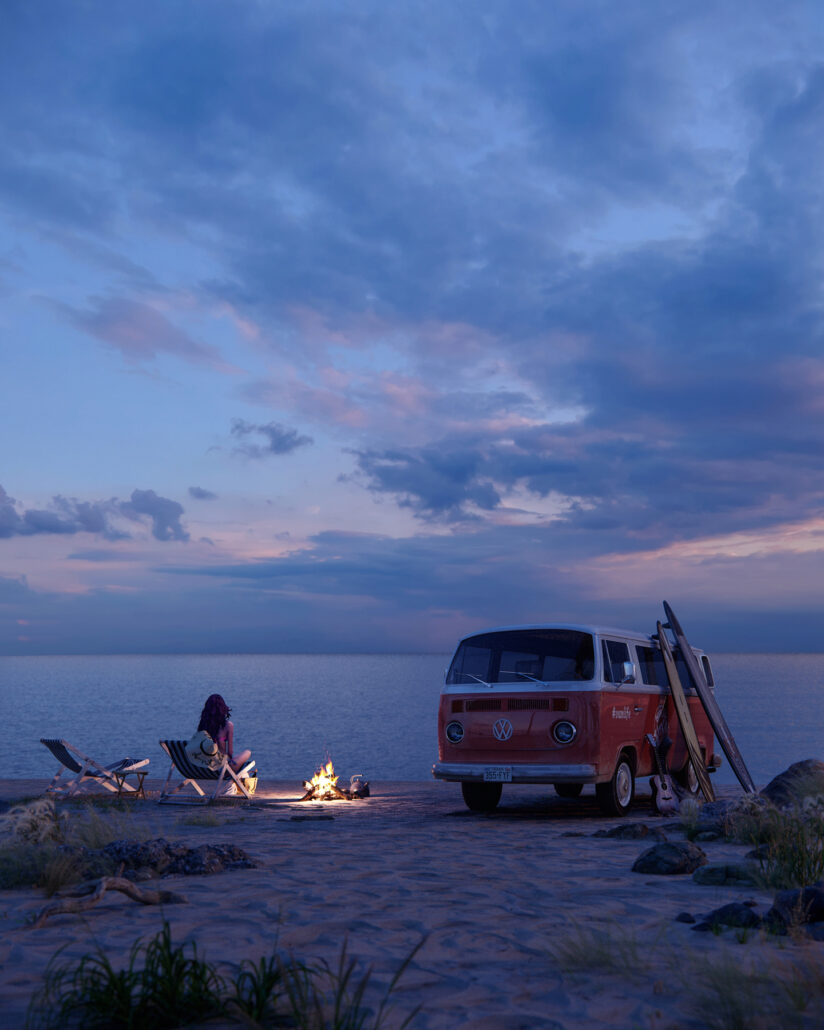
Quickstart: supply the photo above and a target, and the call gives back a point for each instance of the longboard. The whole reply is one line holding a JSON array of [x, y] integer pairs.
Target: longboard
[[682, 710], [717, 720]]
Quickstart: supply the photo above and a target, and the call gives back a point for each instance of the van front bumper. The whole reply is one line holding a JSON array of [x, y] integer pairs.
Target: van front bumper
[[459, 772]]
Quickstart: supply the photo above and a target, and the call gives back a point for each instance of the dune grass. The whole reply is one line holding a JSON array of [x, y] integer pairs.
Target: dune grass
[[790, 841], [43, 847], [165, 985]]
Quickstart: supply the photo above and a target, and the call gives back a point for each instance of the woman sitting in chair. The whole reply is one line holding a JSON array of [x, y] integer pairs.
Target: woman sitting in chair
[[214, 719]]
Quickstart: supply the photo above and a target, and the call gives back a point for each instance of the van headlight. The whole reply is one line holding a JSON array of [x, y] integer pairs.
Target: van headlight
[[564, 731], [454, 733]]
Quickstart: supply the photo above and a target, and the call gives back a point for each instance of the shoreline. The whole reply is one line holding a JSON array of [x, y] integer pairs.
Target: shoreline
[[501, 902]]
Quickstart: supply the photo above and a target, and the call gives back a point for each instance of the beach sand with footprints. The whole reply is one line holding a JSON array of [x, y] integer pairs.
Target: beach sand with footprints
[[523, 917]]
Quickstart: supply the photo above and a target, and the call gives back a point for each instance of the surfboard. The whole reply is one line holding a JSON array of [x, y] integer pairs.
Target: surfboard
[[717, 720], [682, 710]]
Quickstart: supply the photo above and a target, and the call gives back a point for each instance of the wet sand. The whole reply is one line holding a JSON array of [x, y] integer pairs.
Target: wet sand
[[493, 897]]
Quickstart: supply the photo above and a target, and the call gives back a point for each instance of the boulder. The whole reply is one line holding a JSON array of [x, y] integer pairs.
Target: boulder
[[670, 859], [726, 875], [804, 905], [632, 831], [800, 780], [738, 914]]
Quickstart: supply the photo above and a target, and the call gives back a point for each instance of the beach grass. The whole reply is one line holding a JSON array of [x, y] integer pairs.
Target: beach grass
[[165, 985], [609, 948], [727, 993], [43, 847], [790, 841]]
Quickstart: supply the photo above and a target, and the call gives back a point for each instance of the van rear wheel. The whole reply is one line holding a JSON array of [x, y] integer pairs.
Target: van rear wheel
[[481, 797], [568, 790], [687, 779], [615, 797]]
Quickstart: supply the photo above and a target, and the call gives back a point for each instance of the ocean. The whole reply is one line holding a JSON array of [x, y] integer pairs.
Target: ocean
[[373, 714]]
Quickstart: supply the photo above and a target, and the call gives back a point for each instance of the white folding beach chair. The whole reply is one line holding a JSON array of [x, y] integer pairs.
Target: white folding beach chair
[[87, 772], [192, 772]]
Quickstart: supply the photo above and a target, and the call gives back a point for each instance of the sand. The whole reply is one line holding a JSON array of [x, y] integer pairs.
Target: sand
[[492, 897]]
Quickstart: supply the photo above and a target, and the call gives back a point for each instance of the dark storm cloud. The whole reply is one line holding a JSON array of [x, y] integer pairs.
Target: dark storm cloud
[[279, 439]]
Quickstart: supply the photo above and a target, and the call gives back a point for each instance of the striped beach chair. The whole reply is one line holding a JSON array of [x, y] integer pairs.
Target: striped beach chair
[[88, 772], [192, 772]]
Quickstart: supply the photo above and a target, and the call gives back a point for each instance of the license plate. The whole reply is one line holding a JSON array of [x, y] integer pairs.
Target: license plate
[[498, 774]]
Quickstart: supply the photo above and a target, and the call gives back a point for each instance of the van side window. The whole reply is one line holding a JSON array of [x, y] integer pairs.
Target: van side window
[[705, 662], [615, 654], [654, 671]]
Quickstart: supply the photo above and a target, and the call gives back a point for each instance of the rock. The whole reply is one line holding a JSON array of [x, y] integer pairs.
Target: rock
[[738, 914], [761, 853], [706, 835], [631, 831], [800, 780], [145, 859], [685, 917], [725, 875], [670, 859], [804, 905]]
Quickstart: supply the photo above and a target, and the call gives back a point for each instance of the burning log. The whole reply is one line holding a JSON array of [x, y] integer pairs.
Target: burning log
[[324, 786]]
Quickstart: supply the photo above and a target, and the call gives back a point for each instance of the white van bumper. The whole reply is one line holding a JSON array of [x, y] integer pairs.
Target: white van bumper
[[458, 772]]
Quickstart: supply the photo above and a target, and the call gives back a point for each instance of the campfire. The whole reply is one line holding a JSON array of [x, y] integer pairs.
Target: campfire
[[324, 786]]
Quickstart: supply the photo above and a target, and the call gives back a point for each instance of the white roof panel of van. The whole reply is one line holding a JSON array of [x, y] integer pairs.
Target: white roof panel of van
[[608, 631]]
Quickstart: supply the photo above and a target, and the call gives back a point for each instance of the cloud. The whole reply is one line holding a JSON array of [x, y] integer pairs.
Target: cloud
[[279, 439], [200, 494], [68, 516], [140, 332], [164, 513]]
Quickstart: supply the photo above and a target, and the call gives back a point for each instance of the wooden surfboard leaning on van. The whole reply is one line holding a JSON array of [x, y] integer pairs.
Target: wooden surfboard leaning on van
[[566, 705]]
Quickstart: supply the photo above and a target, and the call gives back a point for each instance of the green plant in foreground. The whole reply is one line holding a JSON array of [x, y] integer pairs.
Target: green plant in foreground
[[170, 989], [327, 998], [165, 985]]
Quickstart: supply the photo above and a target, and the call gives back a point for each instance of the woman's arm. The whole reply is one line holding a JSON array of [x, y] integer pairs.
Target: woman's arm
[[230, 739]]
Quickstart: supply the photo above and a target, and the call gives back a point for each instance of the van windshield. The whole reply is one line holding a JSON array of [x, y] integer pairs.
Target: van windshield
[[523, 656]]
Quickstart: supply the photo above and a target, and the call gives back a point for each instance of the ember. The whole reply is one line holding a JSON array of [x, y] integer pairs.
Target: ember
[[324, 786]]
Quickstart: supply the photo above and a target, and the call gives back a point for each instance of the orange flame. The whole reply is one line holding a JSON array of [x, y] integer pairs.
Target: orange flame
[[323, 780]]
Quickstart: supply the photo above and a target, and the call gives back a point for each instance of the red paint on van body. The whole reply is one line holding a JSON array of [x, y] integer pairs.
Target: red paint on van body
[[609, 719]]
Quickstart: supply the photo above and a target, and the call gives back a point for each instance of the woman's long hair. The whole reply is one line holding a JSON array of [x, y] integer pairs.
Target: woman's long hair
[[214, 715]]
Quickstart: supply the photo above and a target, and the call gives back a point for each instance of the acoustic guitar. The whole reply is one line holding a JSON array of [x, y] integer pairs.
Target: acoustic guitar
[[662, 789]]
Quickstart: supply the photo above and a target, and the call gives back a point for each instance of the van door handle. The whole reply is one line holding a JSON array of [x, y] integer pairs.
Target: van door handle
[[638, 708]]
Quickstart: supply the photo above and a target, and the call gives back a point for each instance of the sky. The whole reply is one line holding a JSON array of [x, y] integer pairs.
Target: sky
[[364, 326]]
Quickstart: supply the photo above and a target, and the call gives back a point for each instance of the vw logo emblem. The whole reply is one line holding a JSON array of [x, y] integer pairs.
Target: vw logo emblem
[[502, 730]]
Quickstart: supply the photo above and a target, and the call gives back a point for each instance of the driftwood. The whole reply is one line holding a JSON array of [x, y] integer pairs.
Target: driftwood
[[89, 895]]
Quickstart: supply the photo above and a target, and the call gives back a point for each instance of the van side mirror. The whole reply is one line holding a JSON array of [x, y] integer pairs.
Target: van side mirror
[[627, 672]]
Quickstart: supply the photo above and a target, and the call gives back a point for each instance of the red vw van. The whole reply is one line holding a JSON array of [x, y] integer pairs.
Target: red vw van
[[565, 705]]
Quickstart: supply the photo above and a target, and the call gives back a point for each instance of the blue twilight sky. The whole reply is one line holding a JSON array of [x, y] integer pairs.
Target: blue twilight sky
[[359, 326]]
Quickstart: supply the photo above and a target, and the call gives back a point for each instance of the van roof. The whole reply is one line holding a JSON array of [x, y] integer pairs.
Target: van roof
[[609, 631], [601, 631]]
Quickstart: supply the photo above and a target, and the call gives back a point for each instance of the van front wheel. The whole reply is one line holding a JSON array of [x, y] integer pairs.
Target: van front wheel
[[615, 797], [481, 797]]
